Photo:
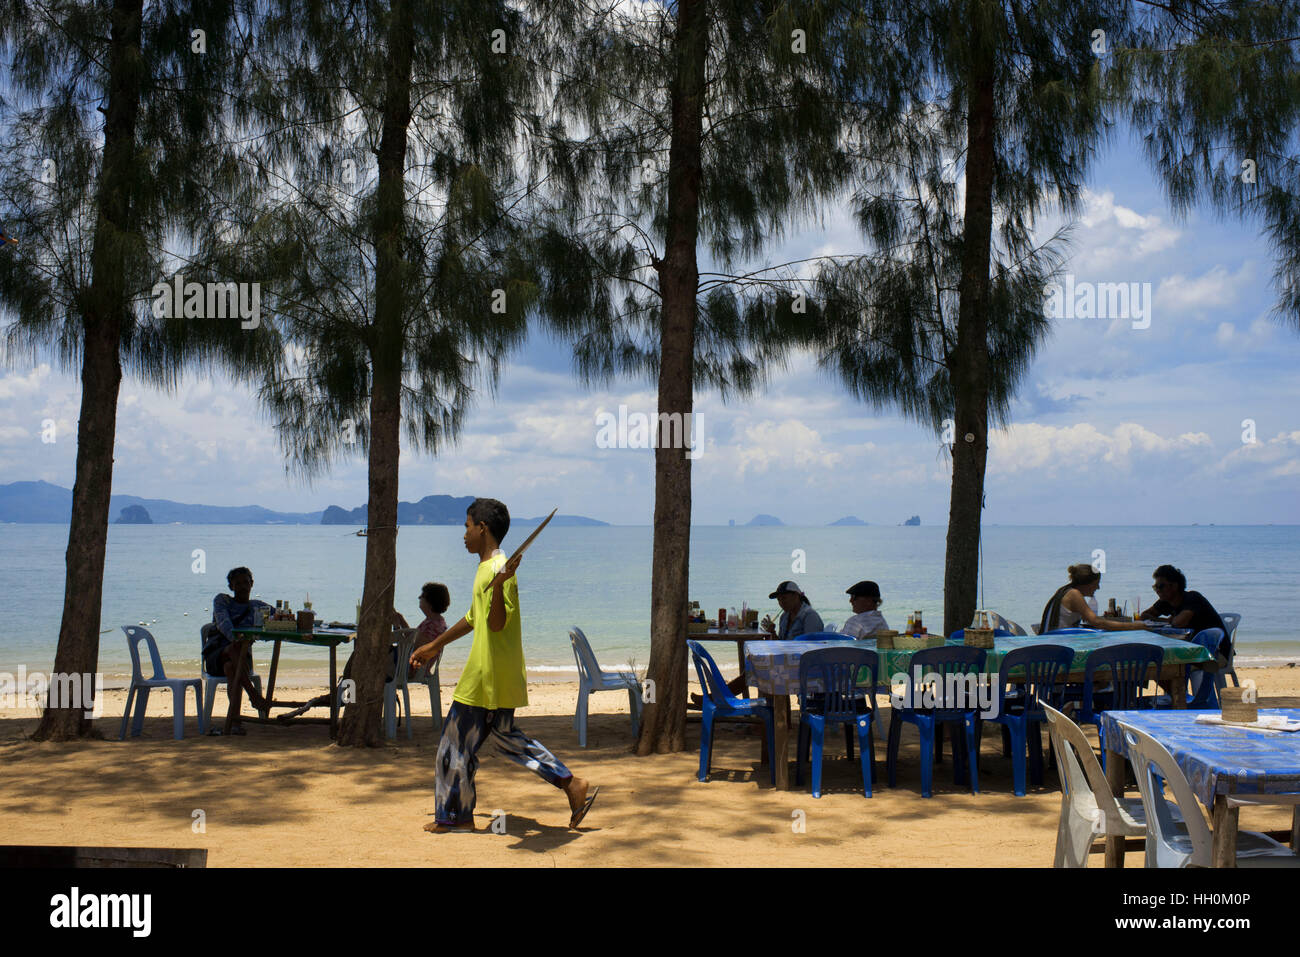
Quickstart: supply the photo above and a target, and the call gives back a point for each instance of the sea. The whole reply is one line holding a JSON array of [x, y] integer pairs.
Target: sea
[[598, 578]]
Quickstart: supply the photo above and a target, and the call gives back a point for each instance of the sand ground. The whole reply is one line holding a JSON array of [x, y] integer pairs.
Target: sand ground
[[285, 796]]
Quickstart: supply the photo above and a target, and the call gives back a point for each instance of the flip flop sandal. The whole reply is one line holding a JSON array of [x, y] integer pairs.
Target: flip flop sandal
[[578, 815], [214, 732], [239, 731]]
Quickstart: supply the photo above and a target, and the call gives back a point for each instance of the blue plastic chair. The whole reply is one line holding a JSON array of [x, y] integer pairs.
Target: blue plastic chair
[[719, 702], [1202, 687], [141, 686], [829, 693], [1042, 668], [593, 678], [1231, 621], [944, 661], [1131, 666], [401, 681], [212, 682], [960, 634]]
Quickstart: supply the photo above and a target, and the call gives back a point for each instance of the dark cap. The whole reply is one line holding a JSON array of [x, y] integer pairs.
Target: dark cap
[[786, 588], [864, 590]]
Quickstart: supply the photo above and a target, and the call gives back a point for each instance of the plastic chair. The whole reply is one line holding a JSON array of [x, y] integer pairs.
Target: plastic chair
[[999, 622], [719, 702], [140, 685], [1191, 844], [427, 675], [1022, 712], [1131, 666], [945, 661], [838, 699], [1230, 621], [592, 678], [1088, 808], [212, 682], [1204, 689]]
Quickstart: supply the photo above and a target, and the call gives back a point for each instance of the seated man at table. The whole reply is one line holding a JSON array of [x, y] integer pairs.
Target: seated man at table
[[1183, 608], [219, 647], [864, 599]]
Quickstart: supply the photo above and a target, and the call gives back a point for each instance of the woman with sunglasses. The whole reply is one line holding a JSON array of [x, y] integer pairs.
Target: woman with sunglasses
[[1183, 608]]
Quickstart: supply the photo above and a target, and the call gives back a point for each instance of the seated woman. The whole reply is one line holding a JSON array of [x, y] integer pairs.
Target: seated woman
[[1183, 608], [1069, 607], [434, 600], [797, 614]]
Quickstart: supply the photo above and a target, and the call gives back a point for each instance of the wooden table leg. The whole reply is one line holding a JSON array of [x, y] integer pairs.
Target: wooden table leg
[[236, 693], [270, 678], [1295, 829], [781, 757], [740, 654], [1225, 832], [1115, 768], [333, 692]]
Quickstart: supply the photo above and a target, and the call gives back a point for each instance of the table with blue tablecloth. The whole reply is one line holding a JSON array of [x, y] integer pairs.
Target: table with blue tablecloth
[[772, 666], [1226, 766]]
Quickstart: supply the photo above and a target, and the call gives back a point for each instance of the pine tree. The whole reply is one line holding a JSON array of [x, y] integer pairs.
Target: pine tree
[[699, 126], [113, 130]]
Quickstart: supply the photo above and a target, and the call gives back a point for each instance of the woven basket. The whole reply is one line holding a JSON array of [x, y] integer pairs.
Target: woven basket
[[978, 638], [884, 639], [290, 625], [1235, 709], [914, 642], [697, 627]]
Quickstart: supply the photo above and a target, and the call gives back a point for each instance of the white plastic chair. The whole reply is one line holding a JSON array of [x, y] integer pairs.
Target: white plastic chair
[[830, 626], [997, 621], [211, 683], [140, 685], [1088, 808], [400, 682], [1188, 843], [1230, 622], [591, 678]]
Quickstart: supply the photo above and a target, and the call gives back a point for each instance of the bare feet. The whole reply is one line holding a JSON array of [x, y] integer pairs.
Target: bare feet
[[579, 802], [437, 827]]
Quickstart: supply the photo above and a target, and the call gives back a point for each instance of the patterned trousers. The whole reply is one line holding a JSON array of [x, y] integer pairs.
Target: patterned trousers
[[463, 733]]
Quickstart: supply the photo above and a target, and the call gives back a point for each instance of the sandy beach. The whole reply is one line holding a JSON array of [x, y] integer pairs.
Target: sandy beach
[[284, 796]]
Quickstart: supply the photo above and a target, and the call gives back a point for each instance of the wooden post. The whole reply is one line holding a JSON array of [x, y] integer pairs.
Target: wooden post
[[1225, 833], [1295, 829], [270, 678], [781, 755], [1115, 767], [333, 692]]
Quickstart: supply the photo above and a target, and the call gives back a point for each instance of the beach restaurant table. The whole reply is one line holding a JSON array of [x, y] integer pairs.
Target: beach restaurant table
[[737, 635], [321, 637], [773, 667], [1226, 766]]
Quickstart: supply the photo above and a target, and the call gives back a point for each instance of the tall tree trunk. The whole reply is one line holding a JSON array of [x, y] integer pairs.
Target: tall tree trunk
[[664, 727], [362, 720], [970, 357], [101, 377]]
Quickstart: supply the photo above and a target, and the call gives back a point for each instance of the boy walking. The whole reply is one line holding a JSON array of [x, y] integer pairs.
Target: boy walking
[[492, 686]]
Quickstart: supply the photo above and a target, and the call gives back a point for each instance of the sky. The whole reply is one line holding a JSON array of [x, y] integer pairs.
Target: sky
[[1113, 424]]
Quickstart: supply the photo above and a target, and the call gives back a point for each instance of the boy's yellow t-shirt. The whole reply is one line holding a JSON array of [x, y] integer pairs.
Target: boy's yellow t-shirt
[[494, 676]]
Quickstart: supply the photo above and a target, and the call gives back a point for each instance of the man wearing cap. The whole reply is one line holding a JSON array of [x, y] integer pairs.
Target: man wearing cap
[[797, 614], [864, 599]]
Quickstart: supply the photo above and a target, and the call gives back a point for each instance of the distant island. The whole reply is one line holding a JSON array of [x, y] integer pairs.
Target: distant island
[[848, 520], [765, 520], [134, 515], [45, 503], [914, 520]]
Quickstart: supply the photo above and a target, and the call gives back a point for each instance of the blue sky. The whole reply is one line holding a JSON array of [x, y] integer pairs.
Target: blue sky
[[1114, 425]]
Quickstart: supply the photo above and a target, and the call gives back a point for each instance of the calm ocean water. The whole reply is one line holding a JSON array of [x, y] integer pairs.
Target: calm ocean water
[[599, 579]]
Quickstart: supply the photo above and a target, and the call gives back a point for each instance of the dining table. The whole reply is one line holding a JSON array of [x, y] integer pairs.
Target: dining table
[[772, 666], [1227, 766], [321, 636], [737, 636]]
